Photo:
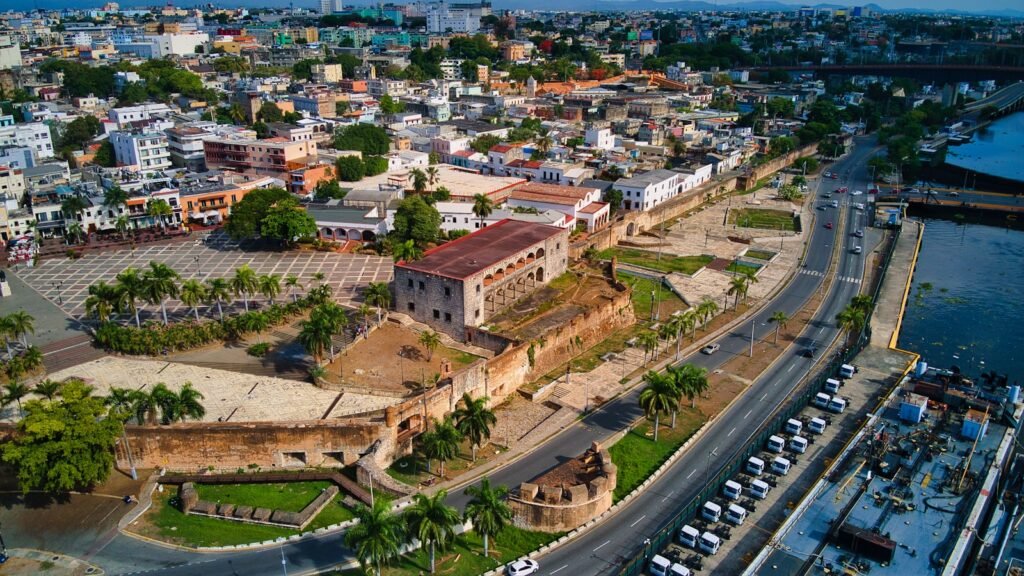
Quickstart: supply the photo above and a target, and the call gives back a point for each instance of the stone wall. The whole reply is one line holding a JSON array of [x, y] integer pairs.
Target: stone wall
[[772, 166], [560, 508], [229, 446], [190, 504]]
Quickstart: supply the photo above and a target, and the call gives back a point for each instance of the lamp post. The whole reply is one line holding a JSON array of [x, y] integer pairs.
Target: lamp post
[[58, 284], [199, 272]]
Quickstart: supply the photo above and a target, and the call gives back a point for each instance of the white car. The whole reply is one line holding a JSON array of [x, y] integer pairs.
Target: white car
[[856, 249], [522, 568], [710, 349], [953, 193], [856, 193], [858, 206]]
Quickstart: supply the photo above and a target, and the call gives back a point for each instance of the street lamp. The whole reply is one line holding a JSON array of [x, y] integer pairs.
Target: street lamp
[[58, 284], [199, 272]]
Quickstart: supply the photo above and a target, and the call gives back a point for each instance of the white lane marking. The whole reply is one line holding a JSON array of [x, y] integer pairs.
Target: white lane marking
[[692, 472], [638, 520], [791, 368], [747, 414], [669, 493], [562, 568], [715, 451], [820, 330], [763, 397], [606, 542], [730, 432]]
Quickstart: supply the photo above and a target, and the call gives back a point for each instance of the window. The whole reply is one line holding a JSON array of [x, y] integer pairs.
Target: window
[[423, 285], [448, 317], [476, 313], [437, 314], [477, 288], [447, 292], [411, 306], [410, 282]]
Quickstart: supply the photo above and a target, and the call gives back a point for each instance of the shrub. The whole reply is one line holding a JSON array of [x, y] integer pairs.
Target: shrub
[[258, 350]]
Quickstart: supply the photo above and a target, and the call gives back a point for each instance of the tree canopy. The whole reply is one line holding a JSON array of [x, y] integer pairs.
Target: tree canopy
[[417, 221], [287, 221], [248, 214], [366, 138]]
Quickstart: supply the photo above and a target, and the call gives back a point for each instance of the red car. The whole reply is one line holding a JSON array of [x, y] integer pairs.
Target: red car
[[872, 190], [842, 190], [828, 225]]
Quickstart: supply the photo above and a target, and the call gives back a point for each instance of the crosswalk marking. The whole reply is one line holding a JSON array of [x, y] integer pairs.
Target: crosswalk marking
[[849, 279]]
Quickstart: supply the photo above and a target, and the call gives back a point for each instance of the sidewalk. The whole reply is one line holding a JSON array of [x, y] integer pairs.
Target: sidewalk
[[31, 562], [888, 316]]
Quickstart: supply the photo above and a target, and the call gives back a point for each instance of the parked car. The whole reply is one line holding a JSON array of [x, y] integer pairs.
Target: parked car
[[522, 568], [828, 225], [711, 349], [832, 175], [826, 195]]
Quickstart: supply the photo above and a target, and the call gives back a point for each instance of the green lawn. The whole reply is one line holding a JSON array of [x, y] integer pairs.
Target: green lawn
[[759, 254], [288, 496], [741, 267], [668, 263], [465, 557], [762, 218], [643, 301], [637, 455]]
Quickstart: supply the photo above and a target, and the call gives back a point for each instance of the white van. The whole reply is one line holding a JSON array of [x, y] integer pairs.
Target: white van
[[798, 444], [759, 489], [755, 466], [781, 466], [679, 570], [776, 444], [794, 426], [821, 400], [732, 490], [847, 371], [837, 405], [735, 514], [688, 536], [659, 566], [816, 426], [709, 543], [711, 512], [831, 386]]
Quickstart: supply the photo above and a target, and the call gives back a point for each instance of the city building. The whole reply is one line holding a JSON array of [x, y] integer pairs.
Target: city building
[[185, 145], [147, 152], [465, 282], [601, 138], [576, 202], [456, 17], [34, 135], [647, 190], [270, 157]]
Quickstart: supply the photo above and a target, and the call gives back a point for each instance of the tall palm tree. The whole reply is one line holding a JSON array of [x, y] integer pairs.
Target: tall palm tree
[[122, 407], [779, 318], [378, 294], [217, 291], [178, 406], [144, 407], [474, 420], [660, 395], [691, 380], [483, 207], [666, 331], [193, 293], [102, 301], [433, 176], [432, 522], [365, 311], [419, 180], [160, 283], [270, 286], [690, 323], [159, 210], [14, 391], [292, 283], [122, 224], [378, 536], [406, 251], [430, 340], [487, 510], [22, 324], [237, 113], [319, 277], [166, 400], [446, 439], [72, 205], [31, 357], [737, 287], [6, 328], [114, 197], [862, 302], [189, 404], [751, 276], [676, 326], [333, 319], [649, 342], [74, 232], [256, 322], [48, 389], [544, 144], [851, 320], [707, 308], [315, 337], [245, 283]]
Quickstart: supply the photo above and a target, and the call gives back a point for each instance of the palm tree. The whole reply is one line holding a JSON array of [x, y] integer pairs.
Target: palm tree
[[406, 252], [255, 322], [430, 340], [432, 521], [144, 407], [779, 318], [179, 406], [31, 357], [48, 389], [474, 420], [245, 283], [158, 209], [122, 224], [333, 319], [445, 444], [292, 283], [544, 144], [378, 294], [114, 197], [14, 391], [690, 323], [270, 286], [237, 113], [667, 331], [433, 176], [188, 402], [851, 320], [487, 510], [6, 329], [377, 537], [862, 302], [419, 180], [315, 337], [319, 277], [706, 309], [752, 278], [217, 291], [737, 287], [122, 407], [483, 206], [21, 324], [660, 395], [676, 326], [691, 380], [193, 293], [365, 311], [160, 283], [102, 301], [74, 231], [649, 342], [72, 205]]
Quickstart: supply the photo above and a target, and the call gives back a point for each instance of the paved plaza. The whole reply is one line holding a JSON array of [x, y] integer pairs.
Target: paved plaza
[[65, 282]]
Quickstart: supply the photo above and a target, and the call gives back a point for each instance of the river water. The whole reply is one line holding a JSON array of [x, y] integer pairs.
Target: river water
[[996, 150], [966, 305]]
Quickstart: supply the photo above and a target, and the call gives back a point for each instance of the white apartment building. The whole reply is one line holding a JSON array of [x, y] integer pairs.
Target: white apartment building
[[647, 190], [35, 135], [10, 53], [12, 184], [185, 145], [377, 87], [456, 17], [148, 152], [451, 68], [128, 114], [599, 138]]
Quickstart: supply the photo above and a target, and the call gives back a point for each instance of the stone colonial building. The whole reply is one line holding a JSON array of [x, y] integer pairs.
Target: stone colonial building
[[464, 283]]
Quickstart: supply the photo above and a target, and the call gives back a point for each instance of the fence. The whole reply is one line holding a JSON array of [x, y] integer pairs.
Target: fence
[[800, 398]]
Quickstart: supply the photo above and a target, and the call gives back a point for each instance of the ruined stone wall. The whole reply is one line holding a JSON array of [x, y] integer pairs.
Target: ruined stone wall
[[773, 166], [229, 446]]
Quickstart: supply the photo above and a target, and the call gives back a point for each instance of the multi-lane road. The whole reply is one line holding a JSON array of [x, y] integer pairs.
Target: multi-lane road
[[603, 549]]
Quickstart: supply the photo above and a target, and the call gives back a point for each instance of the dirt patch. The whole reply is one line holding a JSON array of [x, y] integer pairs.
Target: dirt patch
[[553, 305], [392, 360], [719, 264], [570, 473]]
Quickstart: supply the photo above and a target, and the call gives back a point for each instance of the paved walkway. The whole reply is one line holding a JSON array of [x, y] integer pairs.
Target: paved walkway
[[888, 315]]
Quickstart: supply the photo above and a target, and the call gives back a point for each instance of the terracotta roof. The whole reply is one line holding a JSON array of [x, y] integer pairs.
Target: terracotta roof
[[501, 148], [593, 208], [546, 198]]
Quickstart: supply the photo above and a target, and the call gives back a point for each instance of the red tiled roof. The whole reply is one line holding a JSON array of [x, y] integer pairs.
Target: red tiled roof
[[501, 148], [593, 208]]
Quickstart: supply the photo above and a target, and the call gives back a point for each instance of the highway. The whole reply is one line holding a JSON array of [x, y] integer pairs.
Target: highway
[[603, 549]]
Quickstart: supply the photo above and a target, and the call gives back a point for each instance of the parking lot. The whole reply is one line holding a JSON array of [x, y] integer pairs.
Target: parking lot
[[65, 282], [739, 543]]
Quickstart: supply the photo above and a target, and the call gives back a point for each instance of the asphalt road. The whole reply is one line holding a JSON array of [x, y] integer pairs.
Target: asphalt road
[[603, 549]]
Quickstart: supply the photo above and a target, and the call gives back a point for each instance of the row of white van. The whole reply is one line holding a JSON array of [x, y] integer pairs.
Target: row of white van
[[830, 403], [661, 566], [780, 466]]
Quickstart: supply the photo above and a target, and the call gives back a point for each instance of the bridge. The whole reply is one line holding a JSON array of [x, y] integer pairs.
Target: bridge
[[934, 72], [1004, 100]]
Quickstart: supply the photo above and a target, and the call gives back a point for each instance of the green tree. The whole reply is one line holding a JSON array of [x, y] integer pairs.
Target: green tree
[[367, 138], [487, 510], [614, 199], [473, 419], [122, 224], [245, 283], [851, 320], [350, 168], [63, 445], [737, 287], [269, 112], [417, 221], [247, 215], [419, 180], [287, 221], [377, 537], [442, 194], [160, 282], [178, 406], [649, 342], [779, 318], [72, 206], [78, 133], [443, 442], [691, 381], [389, 105], [659, 395], [406, 251], [131, 289], [14, 391], [21, 325], [48, 389], [256, 322], [329, 189], [483, 207], [193, 293], [159, 210], [105, 155], [374, 165], [114, 197], [315, 337], [217, 291], [292, 283], [378, 294], [484, 143], [432, 521]]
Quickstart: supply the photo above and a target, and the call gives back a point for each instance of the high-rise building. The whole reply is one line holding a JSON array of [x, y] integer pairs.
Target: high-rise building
[[331, 6], [456, 17]]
